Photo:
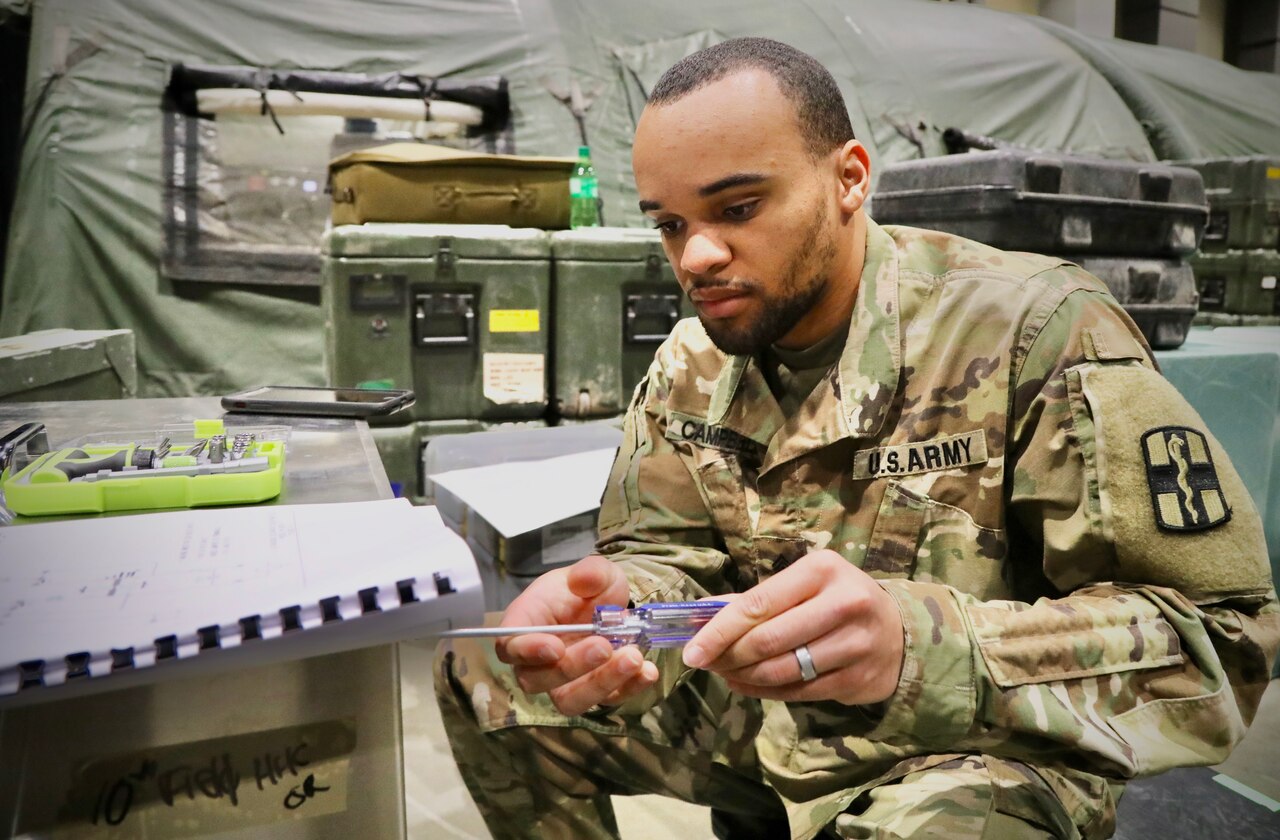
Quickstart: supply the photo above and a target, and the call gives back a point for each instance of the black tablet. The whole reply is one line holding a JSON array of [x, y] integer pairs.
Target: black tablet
[[325, 402]]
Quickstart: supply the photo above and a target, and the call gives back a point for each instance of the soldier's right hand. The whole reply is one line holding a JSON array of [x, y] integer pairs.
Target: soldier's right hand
[[581, 673]]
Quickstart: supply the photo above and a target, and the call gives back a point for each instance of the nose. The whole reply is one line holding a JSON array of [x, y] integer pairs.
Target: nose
[[704, 254]]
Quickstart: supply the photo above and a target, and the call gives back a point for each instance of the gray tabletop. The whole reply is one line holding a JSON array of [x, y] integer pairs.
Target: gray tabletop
[[328, 459]]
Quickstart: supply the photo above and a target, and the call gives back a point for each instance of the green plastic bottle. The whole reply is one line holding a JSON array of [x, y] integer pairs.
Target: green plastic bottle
[[584, 192]]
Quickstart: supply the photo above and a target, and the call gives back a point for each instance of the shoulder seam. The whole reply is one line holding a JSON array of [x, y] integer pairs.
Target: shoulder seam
[[1047, 303], [960, 273], [977, 273]]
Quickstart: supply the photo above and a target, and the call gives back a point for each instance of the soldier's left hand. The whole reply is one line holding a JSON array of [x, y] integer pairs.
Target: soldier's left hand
[[851, 625]]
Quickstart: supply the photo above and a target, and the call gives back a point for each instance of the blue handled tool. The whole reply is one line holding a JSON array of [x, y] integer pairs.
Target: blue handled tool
[[665, 625]]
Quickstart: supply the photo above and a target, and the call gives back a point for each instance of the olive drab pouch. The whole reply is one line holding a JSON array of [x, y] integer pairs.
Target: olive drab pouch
[[417, 182]]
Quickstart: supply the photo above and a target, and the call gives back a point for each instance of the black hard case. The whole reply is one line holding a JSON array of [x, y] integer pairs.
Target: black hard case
[[1048, 203]]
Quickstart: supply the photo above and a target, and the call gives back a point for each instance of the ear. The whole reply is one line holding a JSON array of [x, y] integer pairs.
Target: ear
[[854, 172]]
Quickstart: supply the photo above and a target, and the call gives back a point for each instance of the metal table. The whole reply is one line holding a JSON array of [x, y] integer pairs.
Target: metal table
[[228, 754]]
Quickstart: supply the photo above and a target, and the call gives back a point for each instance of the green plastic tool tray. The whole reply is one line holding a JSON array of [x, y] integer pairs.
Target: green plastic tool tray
[[41, 488]]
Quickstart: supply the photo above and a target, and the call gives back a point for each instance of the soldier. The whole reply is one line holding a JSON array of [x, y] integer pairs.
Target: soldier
[[984, 562]]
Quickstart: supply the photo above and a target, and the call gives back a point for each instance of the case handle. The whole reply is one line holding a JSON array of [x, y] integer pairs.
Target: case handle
[[646, 310], [444, 319], [449, 197]]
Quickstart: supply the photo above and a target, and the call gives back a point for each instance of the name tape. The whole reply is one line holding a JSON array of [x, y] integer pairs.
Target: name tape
[[947, 453], [683, 427]]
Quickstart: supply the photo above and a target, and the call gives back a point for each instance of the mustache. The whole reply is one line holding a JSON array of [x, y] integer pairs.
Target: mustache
[[736, 284]]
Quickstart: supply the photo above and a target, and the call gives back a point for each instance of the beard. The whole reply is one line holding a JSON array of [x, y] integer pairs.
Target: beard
[[802, 285]]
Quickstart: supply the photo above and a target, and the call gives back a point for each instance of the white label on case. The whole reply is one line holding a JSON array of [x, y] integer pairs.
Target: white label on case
[[513, 378]]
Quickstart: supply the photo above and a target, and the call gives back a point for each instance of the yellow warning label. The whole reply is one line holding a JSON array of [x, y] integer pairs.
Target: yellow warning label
[[1273, 173], [513, 320]]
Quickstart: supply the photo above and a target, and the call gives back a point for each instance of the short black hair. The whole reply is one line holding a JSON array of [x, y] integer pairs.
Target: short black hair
[[824, 120]]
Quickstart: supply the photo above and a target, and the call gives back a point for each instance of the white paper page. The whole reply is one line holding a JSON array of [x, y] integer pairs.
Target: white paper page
[[520, 496], [117, 582]]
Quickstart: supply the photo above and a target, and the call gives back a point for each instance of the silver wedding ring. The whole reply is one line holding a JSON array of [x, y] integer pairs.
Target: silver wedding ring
[[807, 671]]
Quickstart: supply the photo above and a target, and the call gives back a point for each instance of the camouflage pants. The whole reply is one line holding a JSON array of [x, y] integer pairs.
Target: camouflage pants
[[535, 773]]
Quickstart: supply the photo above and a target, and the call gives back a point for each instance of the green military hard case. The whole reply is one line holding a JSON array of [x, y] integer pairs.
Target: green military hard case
[[400, 448], [64, 364], [1244, 202], [457, 313], [1238, 282], [403, 450], [615, 300]]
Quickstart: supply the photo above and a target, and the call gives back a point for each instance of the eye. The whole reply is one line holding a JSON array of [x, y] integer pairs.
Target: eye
[[668, 228], [741, 212]]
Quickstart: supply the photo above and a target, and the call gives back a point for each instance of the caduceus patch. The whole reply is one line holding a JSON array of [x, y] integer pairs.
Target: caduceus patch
[[1184, 484]]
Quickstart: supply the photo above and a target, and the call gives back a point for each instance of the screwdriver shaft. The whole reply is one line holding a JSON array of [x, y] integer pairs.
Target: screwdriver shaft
[[482, 632]]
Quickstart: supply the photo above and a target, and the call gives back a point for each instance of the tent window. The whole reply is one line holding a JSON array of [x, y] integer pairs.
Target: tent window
[[246, 155]]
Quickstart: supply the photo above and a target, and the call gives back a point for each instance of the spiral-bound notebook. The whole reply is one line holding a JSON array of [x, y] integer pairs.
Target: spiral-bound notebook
[[109, 602]]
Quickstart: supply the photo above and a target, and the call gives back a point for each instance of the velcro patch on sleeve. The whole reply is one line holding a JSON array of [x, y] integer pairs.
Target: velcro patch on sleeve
[[944, 453], [1109, 345], [1185, 492], [1168, 498]]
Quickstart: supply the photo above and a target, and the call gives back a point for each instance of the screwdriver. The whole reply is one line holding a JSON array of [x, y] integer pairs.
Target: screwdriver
[[663, 625]]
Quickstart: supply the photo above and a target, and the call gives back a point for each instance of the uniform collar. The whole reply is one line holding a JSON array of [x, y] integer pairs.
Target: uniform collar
[[871, 364], [856, 401]]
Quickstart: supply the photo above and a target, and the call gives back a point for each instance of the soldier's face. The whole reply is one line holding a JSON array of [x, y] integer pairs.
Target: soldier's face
[[749, 219]]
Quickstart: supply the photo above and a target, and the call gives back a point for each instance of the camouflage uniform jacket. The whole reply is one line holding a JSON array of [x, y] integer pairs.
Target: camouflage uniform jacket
[[989, 446]]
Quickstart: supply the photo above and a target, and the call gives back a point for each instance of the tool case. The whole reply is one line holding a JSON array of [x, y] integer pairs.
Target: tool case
[[1244, 202], [1160, 295], [456, 313], [1238, 282], [1048, 203], [418, 182], [149, 470], [615, 299]]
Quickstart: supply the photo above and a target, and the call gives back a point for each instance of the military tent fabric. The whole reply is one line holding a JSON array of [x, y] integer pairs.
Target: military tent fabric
[[919, 68], [1222, 110], [85, 243], [86, 240], [1191, 106]]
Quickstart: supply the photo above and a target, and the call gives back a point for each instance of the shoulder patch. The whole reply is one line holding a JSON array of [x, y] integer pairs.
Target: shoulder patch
[[1185, 493]]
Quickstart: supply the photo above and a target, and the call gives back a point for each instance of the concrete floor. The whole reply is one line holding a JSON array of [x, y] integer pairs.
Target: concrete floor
[[439, 808], [1256, 761]]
